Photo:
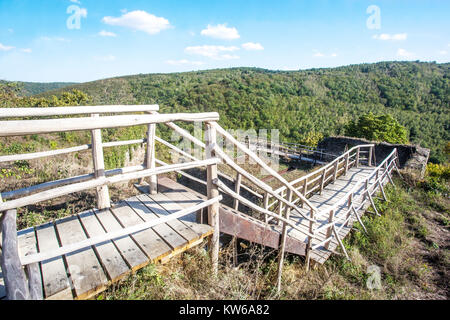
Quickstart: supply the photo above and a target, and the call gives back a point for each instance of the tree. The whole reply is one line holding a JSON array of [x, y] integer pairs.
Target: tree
[[377, 128]]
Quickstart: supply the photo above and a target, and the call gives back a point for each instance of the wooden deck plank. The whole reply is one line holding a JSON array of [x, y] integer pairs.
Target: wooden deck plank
[[148, 240], [186, 200], [110, 258], [54, 276], [129, 250], [87, 274], [161, 205]]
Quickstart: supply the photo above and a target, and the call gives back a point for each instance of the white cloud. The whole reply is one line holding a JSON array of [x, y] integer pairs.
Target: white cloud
[[107, 58], [319, 54], [184, 62], [221, 31], [391, 37], [104, 33], [213, 52], [75, 1], [443, 52], [251, 46], [27, 50], [5, 48], [402, 53], [139, 20]]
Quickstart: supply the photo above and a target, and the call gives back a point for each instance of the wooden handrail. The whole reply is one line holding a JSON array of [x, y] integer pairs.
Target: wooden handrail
[[65, 111], [28, 127], [326, 167], [61, 191], [253, 156]]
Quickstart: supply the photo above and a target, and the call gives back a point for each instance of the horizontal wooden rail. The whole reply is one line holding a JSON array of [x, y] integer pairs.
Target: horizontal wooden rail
[[66, 111], [28, 127], [65, 190], [66, 181], [38, 257], [51, 153]]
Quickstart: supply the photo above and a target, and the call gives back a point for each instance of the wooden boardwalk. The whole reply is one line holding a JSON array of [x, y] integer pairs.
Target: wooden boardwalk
[[79, 256], [84, 273], [327, 199]]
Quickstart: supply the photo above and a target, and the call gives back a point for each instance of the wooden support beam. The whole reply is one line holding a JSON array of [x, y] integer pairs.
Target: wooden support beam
[[103, 200], [357, 157], [13, 273], [283, 242], [336, 165], [347, 156], [370, 156], [213, 192], [322, 181], [330, 229], [150, 157], [237, 189], [310, 242], [266, 206]]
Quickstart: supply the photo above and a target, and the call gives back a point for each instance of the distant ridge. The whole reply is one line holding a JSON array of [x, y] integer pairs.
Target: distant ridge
[[302, 104], [27, 89]]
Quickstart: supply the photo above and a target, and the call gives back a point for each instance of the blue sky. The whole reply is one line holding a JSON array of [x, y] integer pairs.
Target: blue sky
[[84, 40]]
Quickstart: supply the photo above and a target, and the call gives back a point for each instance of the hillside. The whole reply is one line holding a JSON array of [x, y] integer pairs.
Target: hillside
[[26, 89], [304, 105]]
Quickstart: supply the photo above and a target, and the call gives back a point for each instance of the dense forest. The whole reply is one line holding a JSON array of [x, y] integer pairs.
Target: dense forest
[[26, 89], [304, 105]]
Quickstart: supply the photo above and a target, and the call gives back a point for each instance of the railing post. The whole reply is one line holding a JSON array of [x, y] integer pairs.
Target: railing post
[[370, 156], [357, 157], [283, 242], [103, 200], [13, 273], [366, 189], [237, 189], [349, 207], [150, 157], [266, 205], [213, 191], [335, 171], [330, 229], [347, 156], [310, 240], [322, 181], [305, 189]]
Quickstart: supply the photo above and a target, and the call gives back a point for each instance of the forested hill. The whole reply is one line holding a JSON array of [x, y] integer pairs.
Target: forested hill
[[304, 105], [26, 89]]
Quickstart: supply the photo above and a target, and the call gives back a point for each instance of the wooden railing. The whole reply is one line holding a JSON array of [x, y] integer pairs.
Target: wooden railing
[[100, 179], [353, 201], [292, 196], [295, 150]]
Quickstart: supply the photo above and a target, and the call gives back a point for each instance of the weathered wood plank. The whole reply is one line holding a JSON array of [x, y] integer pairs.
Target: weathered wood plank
[[110, 258], [28, 245], [129, 250], [13, 273], [86, 273], [54, 275], [28, 127], [166, 206], [58, 111], [147, 240]]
